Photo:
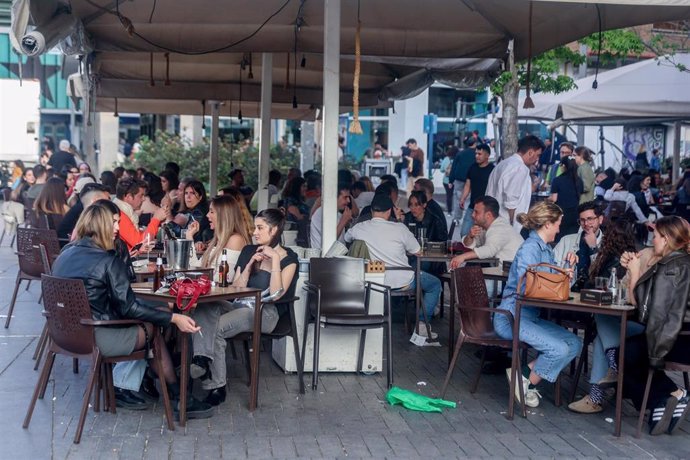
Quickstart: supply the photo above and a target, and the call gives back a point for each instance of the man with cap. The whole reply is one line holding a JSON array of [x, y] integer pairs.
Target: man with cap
[[391, 242]]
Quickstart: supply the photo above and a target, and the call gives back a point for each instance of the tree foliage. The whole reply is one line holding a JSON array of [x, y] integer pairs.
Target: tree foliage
[[194, 160]]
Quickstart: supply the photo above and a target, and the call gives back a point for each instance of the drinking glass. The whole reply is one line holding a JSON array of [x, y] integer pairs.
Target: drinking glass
[[600, 283]]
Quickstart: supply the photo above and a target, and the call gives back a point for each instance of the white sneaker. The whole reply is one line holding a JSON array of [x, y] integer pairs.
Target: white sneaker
[[531, 394], [422, 332]]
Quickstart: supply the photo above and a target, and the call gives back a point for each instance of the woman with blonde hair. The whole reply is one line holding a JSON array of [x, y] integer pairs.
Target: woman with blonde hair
[[661, 295], [91, 258], [556, 345], [230, 234]]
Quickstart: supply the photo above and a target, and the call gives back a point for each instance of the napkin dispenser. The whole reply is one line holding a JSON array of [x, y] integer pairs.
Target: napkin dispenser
[[596, 296]]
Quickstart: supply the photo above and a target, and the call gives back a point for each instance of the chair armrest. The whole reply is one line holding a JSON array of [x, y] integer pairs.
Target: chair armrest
[[281, 300], [400, 268], [499, 311], [114, 322], [311, 287], [378, 287]]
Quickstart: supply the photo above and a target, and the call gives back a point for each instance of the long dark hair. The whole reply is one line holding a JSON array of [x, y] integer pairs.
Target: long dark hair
[[198, 187], [570, 171], [293, 188], [274, 218], [618, 238]]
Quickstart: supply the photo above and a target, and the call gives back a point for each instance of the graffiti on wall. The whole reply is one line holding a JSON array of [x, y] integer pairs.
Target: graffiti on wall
[[650, 137]]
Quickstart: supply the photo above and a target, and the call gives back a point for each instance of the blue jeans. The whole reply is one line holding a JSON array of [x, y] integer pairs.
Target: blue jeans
[[555, 344], [459, 187], [431, 293], [608, 336], [467, 222]]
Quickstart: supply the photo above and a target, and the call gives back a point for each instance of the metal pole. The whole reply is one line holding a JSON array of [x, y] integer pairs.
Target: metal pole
[[602, 151], [265, 130], [676, 152], [213, 163], [329, 137]]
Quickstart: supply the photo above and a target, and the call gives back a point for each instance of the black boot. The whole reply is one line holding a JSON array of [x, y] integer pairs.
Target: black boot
[[127, 399], [216, 396], [195, 409], [148, 390], [200, 368]]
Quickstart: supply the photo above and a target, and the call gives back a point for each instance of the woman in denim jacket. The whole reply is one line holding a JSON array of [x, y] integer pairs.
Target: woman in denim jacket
[[555, 344]]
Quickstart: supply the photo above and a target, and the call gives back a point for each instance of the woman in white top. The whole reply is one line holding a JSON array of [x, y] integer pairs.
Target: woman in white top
[[619, 193], [230, 233]]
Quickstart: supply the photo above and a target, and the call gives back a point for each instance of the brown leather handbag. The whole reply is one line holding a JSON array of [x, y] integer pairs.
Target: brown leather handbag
[[545, 285]]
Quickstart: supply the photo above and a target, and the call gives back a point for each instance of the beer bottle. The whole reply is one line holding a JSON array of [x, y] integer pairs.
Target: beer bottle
[[223, 269], [158, 274]]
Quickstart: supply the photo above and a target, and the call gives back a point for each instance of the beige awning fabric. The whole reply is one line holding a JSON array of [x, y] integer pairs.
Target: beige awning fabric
[[404, 28], [650, 91]]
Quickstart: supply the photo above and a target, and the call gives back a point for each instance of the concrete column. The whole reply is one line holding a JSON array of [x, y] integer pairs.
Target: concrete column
[[265, 127], [213, 164], [407, 121], [107, 128], [190, 129], [308, 146], [676, 151], [331, 106]]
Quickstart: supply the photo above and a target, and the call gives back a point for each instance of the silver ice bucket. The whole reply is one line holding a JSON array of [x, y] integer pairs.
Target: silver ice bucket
[[177, 252]]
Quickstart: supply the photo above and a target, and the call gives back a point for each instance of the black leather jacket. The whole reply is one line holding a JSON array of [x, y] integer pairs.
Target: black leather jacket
[[107, 283], [662, 295]]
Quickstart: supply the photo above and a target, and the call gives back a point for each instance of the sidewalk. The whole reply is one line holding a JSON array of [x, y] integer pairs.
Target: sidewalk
[[346, 417]]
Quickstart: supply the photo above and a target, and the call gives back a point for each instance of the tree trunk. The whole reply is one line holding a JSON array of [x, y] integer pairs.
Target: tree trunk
[[511, 97], [509, 133]]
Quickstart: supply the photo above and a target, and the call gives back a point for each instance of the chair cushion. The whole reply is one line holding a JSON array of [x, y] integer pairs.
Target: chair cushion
[[353, 320]]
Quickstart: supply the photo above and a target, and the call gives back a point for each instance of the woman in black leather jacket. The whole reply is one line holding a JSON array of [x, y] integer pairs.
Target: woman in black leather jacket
[[661, 295], [92, 258]]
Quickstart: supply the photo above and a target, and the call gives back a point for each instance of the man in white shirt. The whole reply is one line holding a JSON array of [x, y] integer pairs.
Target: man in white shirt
[[391, 242], [344, 217], [490, 236], [510, 181]]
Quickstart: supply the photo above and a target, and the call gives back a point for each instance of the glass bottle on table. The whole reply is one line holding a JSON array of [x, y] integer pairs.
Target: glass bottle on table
[[223, 269], [613, 284], [158, 274]]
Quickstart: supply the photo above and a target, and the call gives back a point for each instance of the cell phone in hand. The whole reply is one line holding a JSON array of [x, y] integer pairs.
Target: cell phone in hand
[[136, 247]]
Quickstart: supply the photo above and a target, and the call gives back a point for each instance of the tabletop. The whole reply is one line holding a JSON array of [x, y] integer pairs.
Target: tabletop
[[575, 304], [145, 291]]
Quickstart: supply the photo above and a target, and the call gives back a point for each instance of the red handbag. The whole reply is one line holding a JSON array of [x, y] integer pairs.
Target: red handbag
[[187, 288]]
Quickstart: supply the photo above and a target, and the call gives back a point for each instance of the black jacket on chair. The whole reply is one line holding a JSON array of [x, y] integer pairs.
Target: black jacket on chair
[[106, 279], [662, 301]]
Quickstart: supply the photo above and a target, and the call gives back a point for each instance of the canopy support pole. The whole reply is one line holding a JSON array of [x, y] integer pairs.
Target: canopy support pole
[[676, 152], [331, 109], [265, 128], [213, 163]]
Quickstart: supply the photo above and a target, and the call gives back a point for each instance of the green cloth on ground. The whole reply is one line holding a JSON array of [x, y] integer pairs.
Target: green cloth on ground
[[415, 401]]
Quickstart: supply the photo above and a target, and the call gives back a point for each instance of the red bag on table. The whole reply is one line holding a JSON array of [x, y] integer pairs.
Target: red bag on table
[[191, 289]]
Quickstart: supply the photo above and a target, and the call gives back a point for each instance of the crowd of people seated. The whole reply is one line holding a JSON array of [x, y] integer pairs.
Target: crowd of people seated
[[104, 223]]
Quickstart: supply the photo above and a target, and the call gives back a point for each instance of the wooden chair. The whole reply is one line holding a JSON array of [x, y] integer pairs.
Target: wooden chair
[[339, 298], [669, 366], [71, 333], [476, 324], [286, 327], [30, 264]]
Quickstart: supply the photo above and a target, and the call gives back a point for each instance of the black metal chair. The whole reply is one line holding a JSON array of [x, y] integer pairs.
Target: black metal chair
[[338, 297]]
